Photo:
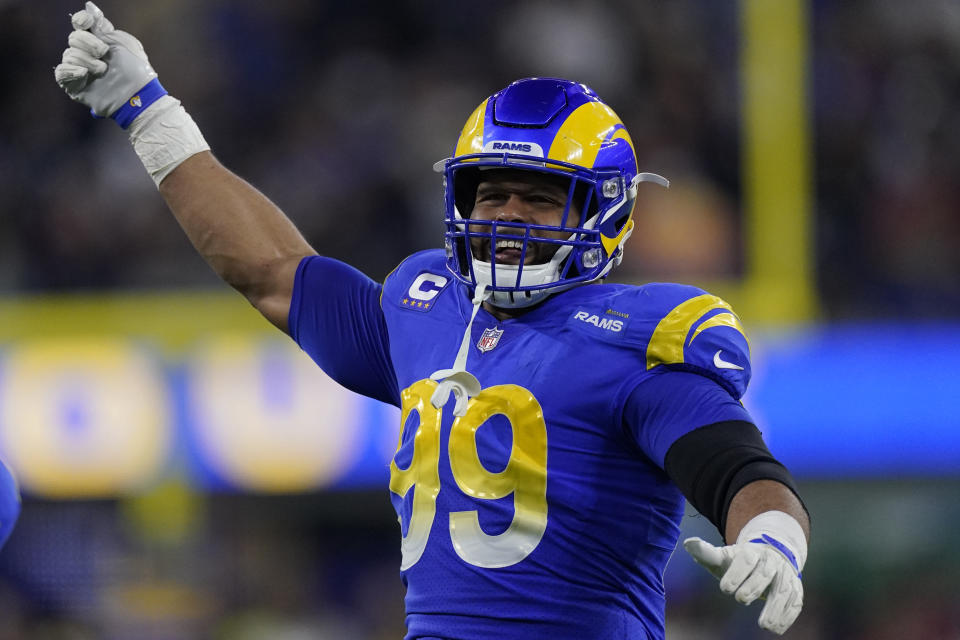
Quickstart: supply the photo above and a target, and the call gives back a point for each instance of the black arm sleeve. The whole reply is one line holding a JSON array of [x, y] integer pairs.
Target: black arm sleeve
[[712, 463]]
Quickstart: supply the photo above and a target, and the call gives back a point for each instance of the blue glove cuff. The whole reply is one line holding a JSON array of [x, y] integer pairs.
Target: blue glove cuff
[[782, 548], [133, 107]]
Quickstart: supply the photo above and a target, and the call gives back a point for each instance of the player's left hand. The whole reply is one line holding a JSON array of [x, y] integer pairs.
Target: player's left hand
[[751, 570]]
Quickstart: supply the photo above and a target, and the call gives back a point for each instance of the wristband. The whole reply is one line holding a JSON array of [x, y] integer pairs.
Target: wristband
[[782, 532], [150, 93]]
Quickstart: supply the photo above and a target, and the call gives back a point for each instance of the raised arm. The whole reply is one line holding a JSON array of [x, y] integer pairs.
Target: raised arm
[[247, 240]]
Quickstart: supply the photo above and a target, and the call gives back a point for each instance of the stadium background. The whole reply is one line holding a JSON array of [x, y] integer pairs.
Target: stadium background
[[188, 474]]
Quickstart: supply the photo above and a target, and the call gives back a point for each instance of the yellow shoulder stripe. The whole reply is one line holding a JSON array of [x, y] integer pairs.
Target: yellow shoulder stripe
[[728, 319], [667, 341]]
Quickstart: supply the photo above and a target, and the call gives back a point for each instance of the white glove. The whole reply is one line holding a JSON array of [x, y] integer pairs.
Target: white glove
[[102, 67], [108, 71], [761, 566]]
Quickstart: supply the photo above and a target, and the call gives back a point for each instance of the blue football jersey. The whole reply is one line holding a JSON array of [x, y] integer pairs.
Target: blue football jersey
[[544, 510]]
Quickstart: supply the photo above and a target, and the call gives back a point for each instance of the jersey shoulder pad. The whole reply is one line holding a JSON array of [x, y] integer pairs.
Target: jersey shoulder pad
[[417, 281], [690, 329]]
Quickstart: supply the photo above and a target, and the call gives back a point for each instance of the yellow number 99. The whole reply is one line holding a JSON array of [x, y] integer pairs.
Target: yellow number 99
[[525, 475]]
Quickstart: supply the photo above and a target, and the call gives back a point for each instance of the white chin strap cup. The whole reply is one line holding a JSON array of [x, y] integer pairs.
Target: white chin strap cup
[[532, 275]]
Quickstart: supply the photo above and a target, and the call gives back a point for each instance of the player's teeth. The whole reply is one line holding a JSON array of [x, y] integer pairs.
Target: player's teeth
[[509, 244]]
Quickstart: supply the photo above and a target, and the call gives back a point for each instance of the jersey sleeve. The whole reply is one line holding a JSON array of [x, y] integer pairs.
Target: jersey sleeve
[[669, 404], [702, 334], [335, 317]]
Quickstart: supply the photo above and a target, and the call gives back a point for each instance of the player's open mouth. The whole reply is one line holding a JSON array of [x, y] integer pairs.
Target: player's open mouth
[[509, 252]]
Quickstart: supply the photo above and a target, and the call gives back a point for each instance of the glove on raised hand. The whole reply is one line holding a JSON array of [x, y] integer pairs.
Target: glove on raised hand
[[106, 69], [760, 565]]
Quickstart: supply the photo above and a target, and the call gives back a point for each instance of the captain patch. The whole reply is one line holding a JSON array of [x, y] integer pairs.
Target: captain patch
[[420, 295]]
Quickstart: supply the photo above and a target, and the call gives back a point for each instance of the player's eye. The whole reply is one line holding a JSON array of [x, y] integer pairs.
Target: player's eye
[[541, 198], [490, 196]]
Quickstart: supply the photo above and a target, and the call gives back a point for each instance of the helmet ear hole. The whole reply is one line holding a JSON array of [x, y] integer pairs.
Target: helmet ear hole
[[623, 220]]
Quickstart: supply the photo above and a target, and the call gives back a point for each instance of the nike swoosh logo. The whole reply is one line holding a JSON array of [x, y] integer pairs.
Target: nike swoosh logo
[[723, 364]]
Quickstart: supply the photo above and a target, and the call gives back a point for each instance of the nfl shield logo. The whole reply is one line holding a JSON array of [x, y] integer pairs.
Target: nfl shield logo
[[489, 339]]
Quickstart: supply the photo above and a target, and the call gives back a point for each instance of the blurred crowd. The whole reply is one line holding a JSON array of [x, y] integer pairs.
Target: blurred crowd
[[886, 105], [338, 110]]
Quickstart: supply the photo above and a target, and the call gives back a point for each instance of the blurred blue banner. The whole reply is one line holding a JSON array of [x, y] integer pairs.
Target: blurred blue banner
[[860, 400], [107, 415]]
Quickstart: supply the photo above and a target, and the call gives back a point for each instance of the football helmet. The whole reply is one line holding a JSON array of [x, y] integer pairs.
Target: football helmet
[[557, 127]]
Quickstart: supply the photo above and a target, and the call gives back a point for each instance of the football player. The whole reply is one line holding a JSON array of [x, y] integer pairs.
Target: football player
[[550, 430]]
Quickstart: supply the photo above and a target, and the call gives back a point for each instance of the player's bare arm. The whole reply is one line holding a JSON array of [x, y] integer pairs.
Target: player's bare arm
[[247, 240], [759, 497]]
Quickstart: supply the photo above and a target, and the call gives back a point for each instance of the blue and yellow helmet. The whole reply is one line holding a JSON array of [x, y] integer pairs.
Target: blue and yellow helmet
[[552, 126]]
